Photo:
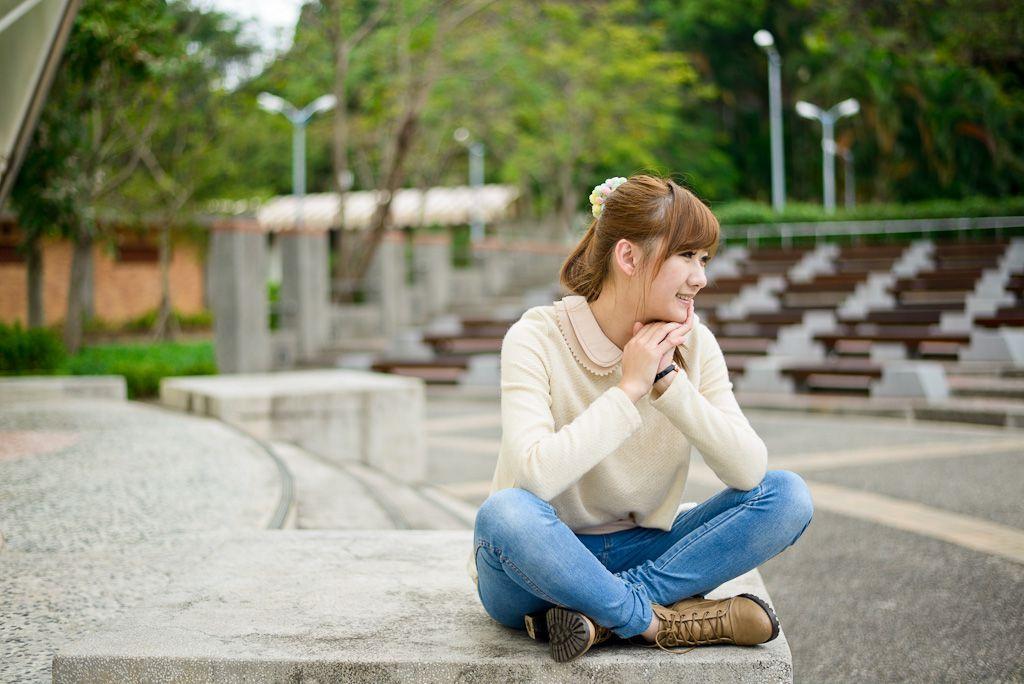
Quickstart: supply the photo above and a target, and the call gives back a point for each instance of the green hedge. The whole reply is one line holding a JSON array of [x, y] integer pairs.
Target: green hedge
[[38, 351], [147, 321], [143, 365], [745, 212]]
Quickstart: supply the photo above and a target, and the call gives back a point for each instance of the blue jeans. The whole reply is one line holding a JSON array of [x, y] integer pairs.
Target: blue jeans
[[528, 559]]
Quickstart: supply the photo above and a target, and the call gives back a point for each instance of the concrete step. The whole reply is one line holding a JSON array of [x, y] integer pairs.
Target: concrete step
[[354, 496], [405, 504], [326, 497], [990, 387], [361, 606]]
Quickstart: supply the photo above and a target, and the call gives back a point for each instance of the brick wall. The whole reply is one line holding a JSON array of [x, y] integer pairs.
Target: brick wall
[[122, 288]]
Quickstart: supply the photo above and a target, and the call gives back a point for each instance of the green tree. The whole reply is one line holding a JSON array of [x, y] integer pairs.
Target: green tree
[[80, 153]]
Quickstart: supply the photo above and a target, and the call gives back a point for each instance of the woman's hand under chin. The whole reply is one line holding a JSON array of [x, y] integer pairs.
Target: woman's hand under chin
[[687, 327]]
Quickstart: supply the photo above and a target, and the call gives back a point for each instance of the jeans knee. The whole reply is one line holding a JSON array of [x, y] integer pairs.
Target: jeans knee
[[505, 512], [794, 498]]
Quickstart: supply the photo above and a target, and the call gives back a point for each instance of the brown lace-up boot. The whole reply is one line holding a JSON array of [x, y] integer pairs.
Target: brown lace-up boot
[[571, 633], [743, 620]]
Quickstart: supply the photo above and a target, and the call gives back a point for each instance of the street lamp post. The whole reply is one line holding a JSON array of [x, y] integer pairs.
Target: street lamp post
[[828, 118], [766, 41], [299, 118], [304, 296], [476, 181]]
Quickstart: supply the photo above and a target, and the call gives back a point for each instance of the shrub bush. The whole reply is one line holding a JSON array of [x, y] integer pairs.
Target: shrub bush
[[37, 351], [144, 365]]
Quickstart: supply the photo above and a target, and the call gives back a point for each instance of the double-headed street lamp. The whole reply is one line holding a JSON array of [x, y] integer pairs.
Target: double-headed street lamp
[[298, 117], [304, 295], [476, 181], [828, 119], [766, 42]]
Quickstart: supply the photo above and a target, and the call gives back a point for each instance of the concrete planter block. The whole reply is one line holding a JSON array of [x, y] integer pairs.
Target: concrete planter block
[[887, 351], [763, 375], [955, 322], [393, 428], [33, 387], [819, 321], [986, 305], [342, 415], [798, 342], [408, 343], [445, 324], [1005, 345], [483, 369], [362, 606], [912, 379]]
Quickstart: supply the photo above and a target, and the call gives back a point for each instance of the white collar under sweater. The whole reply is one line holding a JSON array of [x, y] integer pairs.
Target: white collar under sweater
[[573, 438], [583, 333]]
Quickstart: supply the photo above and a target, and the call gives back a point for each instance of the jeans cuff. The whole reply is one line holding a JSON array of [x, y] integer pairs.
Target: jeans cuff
[[642, 612]]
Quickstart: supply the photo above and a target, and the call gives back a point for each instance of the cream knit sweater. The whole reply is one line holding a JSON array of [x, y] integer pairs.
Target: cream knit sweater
[[575, 439]]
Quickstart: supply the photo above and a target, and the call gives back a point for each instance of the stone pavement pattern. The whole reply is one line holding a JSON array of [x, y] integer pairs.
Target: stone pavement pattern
[[92, 494]]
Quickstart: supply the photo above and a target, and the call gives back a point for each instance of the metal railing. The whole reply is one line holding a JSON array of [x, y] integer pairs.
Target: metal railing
[[824, 229]]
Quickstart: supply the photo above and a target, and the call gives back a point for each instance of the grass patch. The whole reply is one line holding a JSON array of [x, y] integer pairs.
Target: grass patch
[[143, 365]]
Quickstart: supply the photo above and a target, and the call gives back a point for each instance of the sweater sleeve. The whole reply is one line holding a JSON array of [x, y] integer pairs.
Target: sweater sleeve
[[711, 419], [549, 462]]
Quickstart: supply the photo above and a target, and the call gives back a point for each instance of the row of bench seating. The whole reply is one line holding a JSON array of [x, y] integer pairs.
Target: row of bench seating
[[911, 323]]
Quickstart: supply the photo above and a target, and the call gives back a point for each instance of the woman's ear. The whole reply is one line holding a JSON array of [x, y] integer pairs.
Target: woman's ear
[[628, 257]]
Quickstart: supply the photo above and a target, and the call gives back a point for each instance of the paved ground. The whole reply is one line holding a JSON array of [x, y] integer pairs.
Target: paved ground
[[912, 569], [92, 494]]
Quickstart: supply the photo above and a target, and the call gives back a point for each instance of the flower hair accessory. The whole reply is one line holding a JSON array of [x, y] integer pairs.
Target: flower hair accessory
[[601, 192]]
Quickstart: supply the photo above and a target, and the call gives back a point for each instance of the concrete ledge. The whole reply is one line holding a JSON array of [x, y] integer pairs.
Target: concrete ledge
[[304, 606], [342, 415], [34, 387]]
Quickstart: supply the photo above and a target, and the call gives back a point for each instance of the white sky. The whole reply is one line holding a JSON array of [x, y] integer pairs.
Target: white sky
[[271, 23], [273, 20]]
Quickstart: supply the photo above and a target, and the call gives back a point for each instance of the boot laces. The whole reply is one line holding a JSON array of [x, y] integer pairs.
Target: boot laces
[[689, 629]]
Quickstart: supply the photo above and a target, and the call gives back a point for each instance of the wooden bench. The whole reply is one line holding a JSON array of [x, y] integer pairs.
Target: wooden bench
[[1012, 317], [935, 342], [465, 344], [897, 317], [836, 375], [441, 370]]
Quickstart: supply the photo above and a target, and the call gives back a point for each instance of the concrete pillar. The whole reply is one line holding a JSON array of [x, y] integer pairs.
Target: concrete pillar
[[304, 302], [432, 259], [385, 282], [238, 297]]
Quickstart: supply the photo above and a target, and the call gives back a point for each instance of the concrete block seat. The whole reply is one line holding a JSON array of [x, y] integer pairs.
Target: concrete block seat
[[33, 387], [362, 606], [342, 415]]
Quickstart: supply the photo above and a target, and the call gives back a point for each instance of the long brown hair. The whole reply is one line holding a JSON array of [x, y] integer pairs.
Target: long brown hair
[[649, 211]]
